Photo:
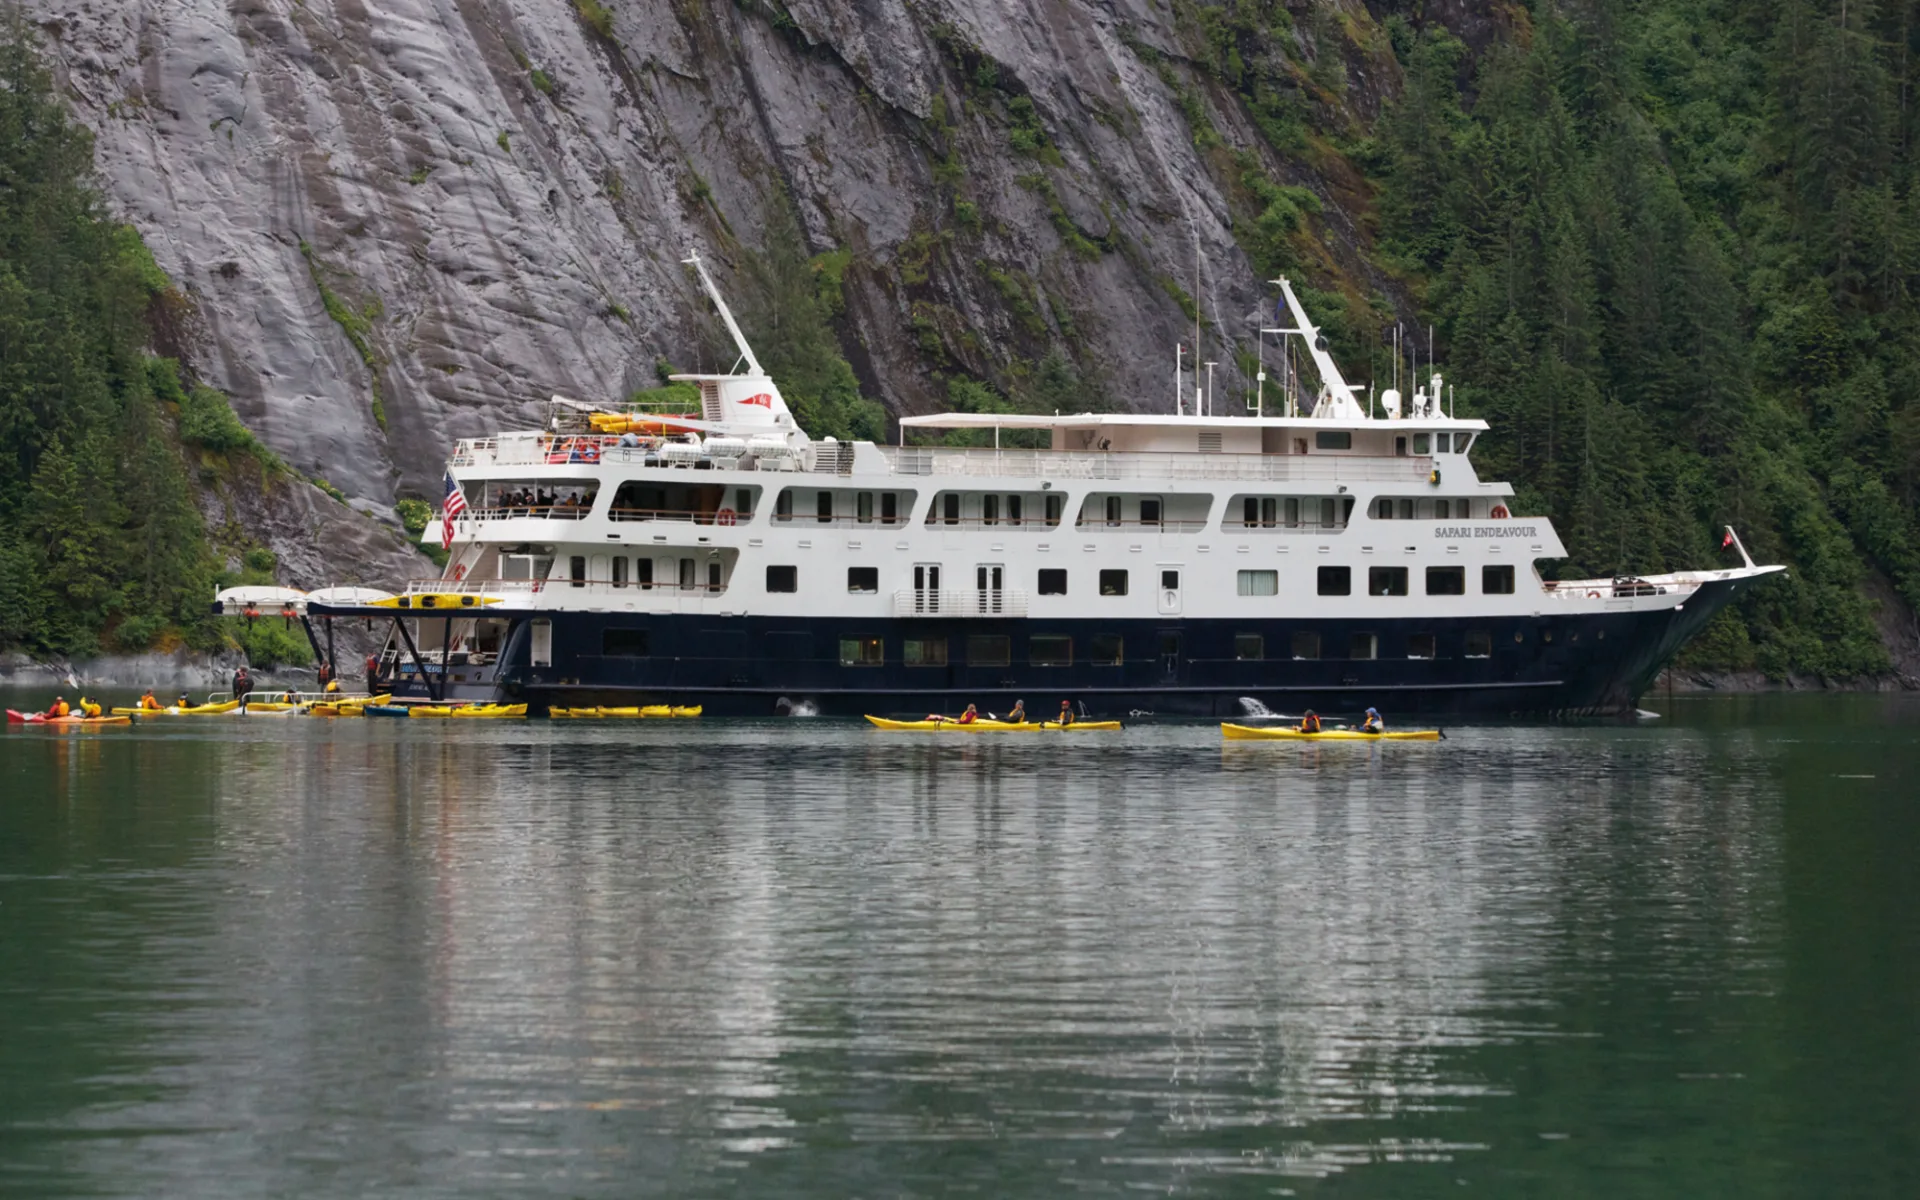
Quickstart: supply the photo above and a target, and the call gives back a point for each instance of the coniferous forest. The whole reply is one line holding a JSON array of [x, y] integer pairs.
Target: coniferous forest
[[1670, 250]]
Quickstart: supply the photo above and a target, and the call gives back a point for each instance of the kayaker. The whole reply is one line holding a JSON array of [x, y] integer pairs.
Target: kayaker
[[1373, 723], [89, 709], [148, 703], [288, 697], [1310, 723], [970, 716], [1018, 715], [57, 709], [1066, 712]]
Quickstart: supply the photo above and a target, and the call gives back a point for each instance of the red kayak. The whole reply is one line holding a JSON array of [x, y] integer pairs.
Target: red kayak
[[20, 718]]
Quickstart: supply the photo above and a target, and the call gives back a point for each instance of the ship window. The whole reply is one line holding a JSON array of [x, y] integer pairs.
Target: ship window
[[1400, 447], [1383, 509], [950, 508], [1113, 510], [1325, 440], [1013, 510], [1107, 650], [1420, 645], [862, 652], [863, 508], [823, 507], [577, 570], [1293, 511], [783, 579], [863, 579], [889, 508], [1250, 511], [1053, 581], [1050, 650], [1113, 583], [1446, 581], [619, 570], [540, 645], [989, 650], [1326, 513], [1441, 510], [1406, 510], [624, 643], [1363, 646], [1149, 512], [1055, 506], [643, 571], [713, 574], [1420, 443], [1479, 644], [990, 510], [1259, 583], [743, 502], [1336, 581], [1306, 645], [1497, 581], [1249, 647], [686, 575], [783, 505], [1386, 581], [924, 652]]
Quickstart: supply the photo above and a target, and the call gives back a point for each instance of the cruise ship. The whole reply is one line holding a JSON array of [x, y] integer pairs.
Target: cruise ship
[[1336, 553]]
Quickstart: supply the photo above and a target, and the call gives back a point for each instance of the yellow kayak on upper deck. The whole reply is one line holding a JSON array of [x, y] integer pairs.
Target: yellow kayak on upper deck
[[435, 600]]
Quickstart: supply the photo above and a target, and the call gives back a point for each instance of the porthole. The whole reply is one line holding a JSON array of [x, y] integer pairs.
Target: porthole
[[1519, 636]]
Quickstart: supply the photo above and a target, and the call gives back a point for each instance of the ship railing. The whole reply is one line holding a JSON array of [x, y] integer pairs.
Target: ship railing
[[1282, 527], [543, 512], [1017, 524], [1620, 587], [515, 590], [841, 521], [676, 514], [1057, 464], [1096, 524], [960, 602]]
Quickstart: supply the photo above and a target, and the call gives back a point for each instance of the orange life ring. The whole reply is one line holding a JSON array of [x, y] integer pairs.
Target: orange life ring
[[725, 516], [1499, 512], [1593, 595]]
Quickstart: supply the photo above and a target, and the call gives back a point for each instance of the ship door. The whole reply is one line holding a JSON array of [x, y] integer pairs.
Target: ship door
[[926, 587], [1169, 656], [989, 581], [1169, 594], [542, 647]]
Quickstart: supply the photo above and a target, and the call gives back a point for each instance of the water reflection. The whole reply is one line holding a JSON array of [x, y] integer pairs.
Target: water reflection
[[352, 957]]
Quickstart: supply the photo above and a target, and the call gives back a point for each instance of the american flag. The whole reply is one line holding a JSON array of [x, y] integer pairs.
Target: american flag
[[455, 505]]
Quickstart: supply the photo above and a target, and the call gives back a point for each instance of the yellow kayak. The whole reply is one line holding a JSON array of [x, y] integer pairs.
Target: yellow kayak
[[481, 711], [1247, 733], [985, 726], [146, 712], [435, 600], [630, 714], [175, 710]]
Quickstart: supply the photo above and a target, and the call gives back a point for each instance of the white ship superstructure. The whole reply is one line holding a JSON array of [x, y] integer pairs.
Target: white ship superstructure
[[1335, 553]]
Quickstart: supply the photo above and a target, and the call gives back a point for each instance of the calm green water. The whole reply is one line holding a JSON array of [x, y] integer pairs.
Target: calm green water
[[344, 958]]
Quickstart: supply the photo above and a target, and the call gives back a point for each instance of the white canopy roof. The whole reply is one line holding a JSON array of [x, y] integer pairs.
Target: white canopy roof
[[1162, 420]]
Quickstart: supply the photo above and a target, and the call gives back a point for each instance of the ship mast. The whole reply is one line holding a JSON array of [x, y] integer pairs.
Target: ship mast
[[726, 314]]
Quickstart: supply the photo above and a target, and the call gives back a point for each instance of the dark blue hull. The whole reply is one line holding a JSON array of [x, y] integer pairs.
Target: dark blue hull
[[1556, 663]]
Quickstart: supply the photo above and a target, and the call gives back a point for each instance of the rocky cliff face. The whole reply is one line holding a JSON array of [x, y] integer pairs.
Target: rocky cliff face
[[405, 221]]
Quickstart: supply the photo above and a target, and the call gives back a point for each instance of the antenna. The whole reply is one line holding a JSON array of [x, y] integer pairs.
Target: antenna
[[726, 314], [1178, 404], [1209, 411]]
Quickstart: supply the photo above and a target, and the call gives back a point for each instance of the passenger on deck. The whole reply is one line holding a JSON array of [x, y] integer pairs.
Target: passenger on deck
[[970, 716], [1018, 716], [333, 685], [1310, 723], [1373, 723], [57, 709], [1066, 712]]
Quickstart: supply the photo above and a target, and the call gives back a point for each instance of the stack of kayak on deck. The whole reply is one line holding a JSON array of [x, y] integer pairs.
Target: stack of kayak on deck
[[474, 712]]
